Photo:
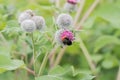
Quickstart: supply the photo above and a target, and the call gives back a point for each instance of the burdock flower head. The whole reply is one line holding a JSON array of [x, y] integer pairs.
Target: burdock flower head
[[29, 22], [70, 5], [64, 37], [64, 21], [39, 21], [28, 25], [27, 14]]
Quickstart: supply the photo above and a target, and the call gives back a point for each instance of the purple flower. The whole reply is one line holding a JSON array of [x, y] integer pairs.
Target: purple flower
[[64, 37], [72, 1], [67, 34]]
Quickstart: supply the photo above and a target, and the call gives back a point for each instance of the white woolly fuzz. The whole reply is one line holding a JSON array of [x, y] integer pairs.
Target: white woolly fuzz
[[39, 21], [28, 25], [25, 15], [57, 37], [70, 7], [29, 11], [64, 21]]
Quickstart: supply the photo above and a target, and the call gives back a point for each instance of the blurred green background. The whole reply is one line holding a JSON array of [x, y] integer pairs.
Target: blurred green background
[[101, 35]]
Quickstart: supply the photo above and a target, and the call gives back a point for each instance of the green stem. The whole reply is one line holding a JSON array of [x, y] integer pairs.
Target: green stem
[[52, 56], [57, 3], [87, 56], [34, 54], [118, 74], [59, 56], [43, 64]]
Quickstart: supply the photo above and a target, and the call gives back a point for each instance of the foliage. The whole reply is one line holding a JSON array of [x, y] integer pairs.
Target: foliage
[[101, 35]]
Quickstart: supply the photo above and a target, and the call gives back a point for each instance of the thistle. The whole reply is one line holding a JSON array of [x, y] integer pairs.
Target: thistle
[[28, 14], [64, 37], [70, 5], [28, 25], [39, 21], [64, 21], [30, 22]]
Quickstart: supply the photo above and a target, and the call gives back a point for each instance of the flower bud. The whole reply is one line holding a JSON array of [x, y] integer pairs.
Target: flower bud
[[25, 15], [64, 21], [29, 11], [68, 7], [39, 21], [64, 37], [28, 25]]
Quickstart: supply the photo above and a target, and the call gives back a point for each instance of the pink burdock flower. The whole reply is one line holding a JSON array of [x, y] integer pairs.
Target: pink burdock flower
[[67, 34], [72, 1], [64, 37]]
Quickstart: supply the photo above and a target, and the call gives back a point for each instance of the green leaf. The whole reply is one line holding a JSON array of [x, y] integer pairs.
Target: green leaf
[[97, 58], [7, 64], [74, 49], [105, 40], [86, 77], [56, 71], [89, 22], [12, 65], [107, 64], [4, 59], [59, 73], [12, 23], [110, 61], [110, 13], [48, 77]]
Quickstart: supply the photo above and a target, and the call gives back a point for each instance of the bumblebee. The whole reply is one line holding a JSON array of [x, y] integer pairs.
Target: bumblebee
[[66, 41]]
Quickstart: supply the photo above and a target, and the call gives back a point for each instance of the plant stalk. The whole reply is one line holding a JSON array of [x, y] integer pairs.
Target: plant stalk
[[44, 62], [118, 74], [34, 53], [52, 56], [87, 56], [57, 3], [79, 11], [59, 57], [89, 11]]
